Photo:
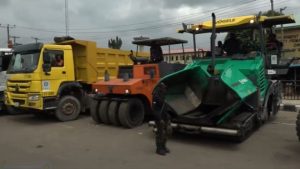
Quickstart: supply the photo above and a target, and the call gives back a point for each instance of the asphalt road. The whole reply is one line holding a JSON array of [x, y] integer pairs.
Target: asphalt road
[[28, 142]]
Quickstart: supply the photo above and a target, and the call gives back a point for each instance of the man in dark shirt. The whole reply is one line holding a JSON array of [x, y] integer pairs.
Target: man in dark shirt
[[273, 43], [219, 49], [156, 54], [232, 45]]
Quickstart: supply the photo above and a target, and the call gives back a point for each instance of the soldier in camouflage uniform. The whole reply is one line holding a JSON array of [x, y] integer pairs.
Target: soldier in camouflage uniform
[[162, 121]]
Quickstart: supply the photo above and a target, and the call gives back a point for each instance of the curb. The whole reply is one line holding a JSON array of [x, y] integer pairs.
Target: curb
[[289, 107]]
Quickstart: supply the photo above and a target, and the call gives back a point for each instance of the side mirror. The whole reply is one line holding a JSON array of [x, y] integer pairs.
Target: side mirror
[[46, 67], [47, 62], [46, 57]]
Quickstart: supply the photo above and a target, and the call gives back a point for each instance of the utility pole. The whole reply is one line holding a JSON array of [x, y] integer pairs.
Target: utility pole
[[36, 39], [67, 17], [272, 5], [8, 27], [14, 39], [282, 9]]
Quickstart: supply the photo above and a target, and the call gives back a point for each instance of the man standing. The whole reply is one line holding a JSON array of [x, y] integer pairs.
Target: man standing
[[156, 54], [162, 119]]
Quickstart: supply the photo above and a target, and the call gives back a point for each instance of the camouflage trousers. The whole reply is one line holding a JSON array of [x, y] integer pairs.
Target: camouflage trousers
[[163, 132]]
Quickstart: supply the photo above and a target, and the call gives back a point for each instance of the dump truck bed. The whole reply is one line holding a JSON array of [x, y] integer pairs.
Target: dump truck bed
[[91, 61]]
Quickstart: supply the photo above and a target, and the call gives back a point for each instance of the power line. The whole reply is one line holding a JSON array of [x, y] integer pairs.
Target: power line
[[164, 23], [219, 15], [133, 29], [169, 24], [157, 26], [188, 17], [229, 6]]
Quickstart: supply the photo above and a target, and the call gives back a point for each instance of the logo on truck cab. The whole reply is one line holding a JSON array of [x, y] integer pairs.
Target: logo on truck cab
[[225, 20]]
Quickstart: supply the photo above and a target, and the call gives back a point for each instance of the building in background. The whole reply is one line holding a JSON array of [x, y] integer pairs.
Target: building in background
[[186, 57], [290, 37]]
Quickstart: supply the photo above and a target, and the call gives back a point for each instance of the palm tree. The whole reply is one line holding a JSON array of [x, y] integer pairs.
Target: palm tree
[[115, 43]]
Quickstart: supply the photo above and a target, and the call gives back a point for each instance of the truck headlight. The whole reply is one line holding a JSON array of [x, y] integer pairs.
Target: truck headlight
[[34, 97], [127, 91]]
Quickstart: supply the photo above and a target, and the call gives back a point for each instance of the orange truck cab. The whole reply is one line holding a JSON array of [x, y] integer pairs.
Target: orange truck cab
[[126, 100]]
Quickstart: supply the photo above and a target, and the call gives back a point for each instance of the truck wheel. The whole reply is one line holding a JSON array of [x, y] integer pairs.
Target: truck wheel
[[113, 113], [298, 125], [94, 110], [68, 108], [102, 111], [14, 111], [131, 113]]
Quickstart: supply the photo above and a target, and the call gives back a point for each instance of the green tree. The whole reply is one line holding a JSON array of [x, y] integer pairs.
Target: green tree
[[115, 43], [272, 13]]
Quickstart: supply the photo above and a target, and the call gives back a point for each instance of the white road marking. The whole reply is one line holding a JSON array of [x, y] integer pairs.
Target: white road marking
[[288, 124]]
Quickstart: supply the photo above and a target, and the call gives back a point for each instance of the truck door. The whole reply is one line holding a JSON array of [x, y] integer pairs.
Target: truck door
[[51, 80]]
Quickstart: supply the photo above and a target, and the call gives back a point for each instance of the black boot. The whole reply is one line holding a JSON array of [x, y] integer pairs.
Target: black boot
[[160, 148], [164, 145], [166, 149], [161, 151]]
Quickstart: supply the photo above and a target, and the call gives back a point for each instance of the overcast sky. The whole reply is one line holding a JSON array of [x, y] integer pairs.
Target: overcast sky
[[100, 20]]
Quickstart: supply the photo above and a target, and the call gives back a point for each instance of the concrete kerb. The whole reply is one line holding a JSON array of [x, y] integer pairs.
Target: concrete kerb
[[290, 105]]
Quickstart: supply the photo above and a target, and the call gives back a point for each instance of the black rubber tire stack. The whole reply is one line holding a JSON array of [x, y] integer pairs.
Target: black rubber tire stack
[[127, 113], [103, 111], [131, 113], [94, 110]]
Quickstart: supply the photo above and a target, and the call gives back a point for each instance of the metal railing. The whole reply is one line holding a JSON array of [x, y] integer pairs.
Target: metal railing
[[291, 89]]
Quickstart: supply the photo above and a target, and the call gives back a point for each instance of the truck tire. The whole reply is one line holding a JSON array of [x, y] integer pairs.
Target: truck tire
[[131, 113], [94, 110], [298, 125], [113, 113], [68, 108], [102, 111]]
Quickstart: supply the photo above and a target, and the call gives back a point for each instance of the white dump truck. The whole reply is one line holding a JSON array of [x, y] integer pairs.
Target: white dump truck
[[5, 56]]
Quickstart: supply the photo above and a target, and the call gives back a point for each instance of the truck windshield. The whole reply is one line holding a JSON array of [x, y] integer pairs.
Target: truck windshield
[[24, 62]]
